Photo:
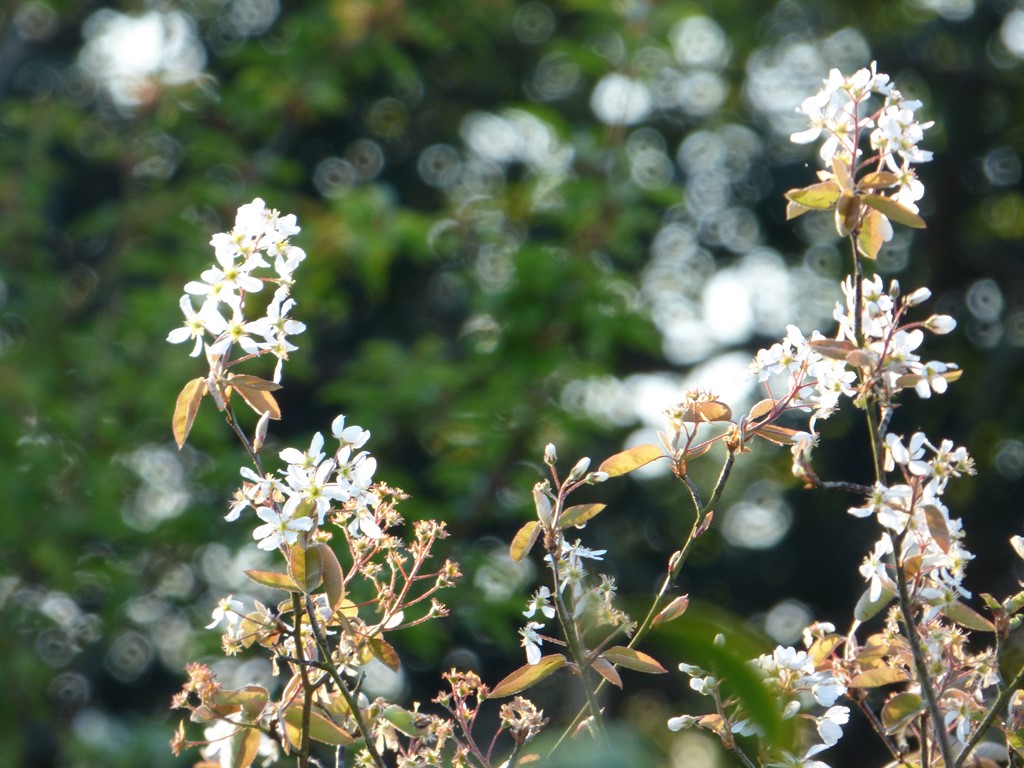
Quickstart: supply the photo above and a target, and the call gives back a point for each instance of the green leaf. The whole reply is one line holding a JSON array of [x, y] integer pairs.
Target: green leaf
[[870, 236], [894, 211], [524, 540], [630, 459], [900, 710], [185, 409], [250, 700], [321, 728], [878, 180], [967, 617], [579, 515], [633, 659], [866, 607], [817, 197], [404, 720], [875, 678], [273, 579], [528, 676], [305, 566]]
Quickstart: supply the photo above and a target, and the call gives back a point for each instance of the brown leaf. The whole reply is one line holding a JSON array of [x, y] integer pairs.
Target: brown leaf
[[528, 675]]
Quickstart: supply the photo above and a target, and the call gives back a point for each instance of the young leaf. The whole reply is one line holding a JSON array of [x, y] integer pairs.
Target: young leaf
[[900, 710], [818, 197], [402, 719], [635, 660], [706, 410], [250, 699], [607, 671], [579, 515], [874, 678], [832, 349], [866, 607], [967, 617], [185, 409], [321, 728], [878, 180], [305, 566], [273, 579], [937, 526], [870, 236], [334, 578], [528, 676], [894, 211], [524, 540], [259, 400], [673, 610], [244, 748], [776, 434], [253, 382], [385, 653], [848, 212], [630, 459]]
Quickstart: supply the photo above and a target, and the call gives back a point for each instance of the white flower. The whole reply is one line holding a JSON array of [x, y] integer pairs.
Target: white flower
[[228, 610], [279, 529], [354, 437], [541, 601], [531, 641]]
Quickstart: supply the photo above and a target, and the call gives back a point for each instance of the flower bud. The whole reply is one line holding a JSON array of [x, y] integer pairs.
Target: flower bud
[[550, 455], [542, 502], [683, 721], [580, 469], [940, 324], [261, 432], [920, 296], [596, 477]]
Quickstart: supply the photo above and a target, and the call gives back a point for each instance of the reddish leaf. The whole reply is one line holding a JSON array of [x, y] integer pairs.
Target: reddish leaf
[[528, 676], [253, 383], [848, 212], [776, 434], [607, 671], [937, 526], [259, 400], [334, 578], [673, 610], [185, 409], [630, 459], [705, 411]]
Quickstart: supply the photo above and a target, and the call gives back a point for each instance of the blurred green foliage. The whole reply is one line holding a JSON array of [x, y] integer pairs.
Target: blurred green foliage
[[480, 245]]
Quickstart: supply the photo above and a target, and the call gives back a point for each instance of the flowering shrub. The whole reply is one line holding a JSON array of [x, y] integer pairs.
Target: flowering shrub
[[351, 573]]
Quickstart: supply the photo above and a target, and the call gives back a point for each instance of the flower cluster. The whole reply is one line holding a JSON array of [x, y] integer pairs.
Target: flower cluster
[[258, 241], [308, 488], [797, 684], [837, 111]]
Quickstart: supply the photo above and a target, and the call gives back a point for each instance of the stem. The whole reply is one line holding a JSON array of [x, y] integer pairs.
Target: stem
[[907, 611], [997, 706], [307, 691], [332, 670], [676, 563]]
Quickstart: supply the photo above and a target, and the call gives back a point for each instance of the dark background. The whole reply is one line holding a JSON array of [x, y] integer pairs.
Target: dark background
[[491, 267]]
